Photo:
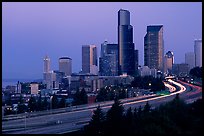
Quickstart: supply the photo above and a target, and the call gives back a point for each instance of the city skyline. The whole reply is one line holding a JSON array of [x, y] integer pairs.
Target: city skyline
[[26, 43]]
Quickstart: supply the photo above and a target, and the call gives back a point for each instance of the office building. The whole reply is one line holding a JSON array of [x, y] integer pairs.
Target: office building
[[198, 52], [46, 72], [89, 59], [108, 62], [154, 47], [49, 77], [65, 65], [146, 71], [46, 64], [136, 61], [125, 44], [168, 62], [190, 59], [180, 69], [34, 88]]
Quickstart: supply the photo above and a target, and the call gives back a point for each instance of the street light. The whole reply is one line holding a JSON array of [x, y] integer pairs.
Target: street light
[[51, 104], [126, 93], [25, 121]]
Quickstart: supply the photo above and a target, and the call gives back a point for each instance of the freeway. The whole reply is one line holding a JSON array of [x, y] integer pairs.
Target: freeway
[[63, 122]]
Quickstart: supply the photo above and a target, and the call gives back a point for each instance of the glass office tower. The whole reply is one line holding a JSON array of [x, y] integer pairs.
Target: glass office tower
[[125, 43], [154, 47]]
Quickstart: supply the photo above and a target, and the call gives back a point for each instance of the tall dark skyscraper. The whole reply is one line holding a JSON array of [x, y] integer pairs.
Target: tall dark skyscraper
[[136, 61], [108, 62], [125, 43], [154, 47]]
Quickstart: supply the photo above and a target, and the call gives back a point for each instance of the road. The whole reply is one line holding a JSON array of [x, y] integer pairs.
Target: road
[[78, 117]]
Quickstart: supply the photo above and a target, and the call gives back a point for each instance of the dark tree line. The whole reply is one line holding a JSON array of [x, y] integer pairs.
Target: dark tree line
[[196, 72], [174, 117], [80, 97], [40, 104], [107, 94], [148, 82]]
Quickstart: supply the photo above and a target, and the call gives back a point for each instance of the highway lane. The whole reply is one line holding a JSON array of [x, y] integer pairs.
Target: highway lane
[[70, 109], [69, 119]]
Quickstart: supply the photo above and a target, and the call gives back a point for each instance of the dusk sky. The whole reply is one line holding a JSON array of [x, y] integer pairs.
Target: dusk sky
[[32, 30]]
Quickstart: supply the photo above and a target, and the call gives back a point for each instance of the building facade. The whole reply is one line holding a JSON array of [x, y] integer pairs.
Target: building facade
[[154, 47], [146, 71], [125, 43], [46, 64], [136, 61], [47, 74], [180, 69], [190, 59], [34, 88], [108, 62], [198, 52], [65, 65], [89, 59], [168, 62]]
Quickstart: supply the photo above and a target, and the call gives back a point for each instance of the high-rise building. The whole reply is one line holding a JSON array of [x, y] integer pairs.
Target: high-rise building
[[65, 65], [125, 43], [108, 62], [168, 62], [46, 64], [104, 48], [198, 52], [34, 87], [48, 76], [190, 59], [154, 47], [89, 59], [46, 71], [136, 61]]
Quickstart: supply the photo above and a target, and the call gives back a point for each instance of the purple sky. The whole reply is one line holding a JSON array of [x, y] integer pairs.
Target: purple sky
[[32, 30]]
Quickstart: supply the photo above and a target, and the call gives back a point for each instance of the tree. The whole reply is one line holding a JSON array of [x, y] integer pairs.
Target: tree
[[21, 106], [84, 96], [196, 72], [62, 103], [95, 126], [147, 108], [54, 101], [80, 97], [102, 95], [45, 104], [129, 120], [115, 118], [122, 94], [32, 105], [39, 103]]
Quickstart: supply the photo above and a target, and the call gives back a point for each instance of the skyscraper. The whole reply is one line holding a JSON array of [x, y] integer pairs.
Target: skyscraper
[[89, 59], [108, 62], [154, 47], [136, 61], [48, 75], [46, 64], [125, 43], [198, 52], [190, 59], [65, 65], [168, 62]]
